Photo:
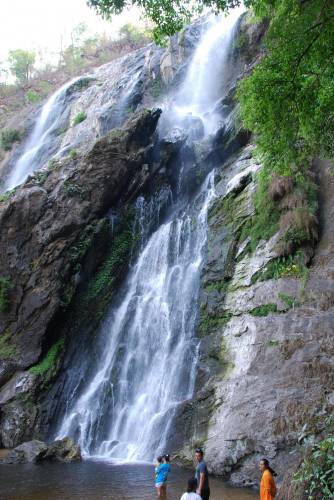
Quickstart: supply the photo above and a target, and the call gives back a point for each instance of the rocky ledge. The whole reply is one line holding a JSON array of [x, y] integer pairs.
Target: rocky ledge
[[35, 451]]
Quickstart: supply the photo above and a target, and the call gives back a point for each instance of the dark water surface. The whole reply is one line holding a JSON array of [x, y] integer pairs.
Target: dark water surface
[[99, 481]]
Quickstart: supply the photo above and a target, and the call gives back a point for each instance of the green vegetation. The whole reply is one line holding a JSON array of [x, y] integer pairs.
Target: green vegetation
[[32, 96], [7, 351], [288, 100], [41, 176], [265, 223], [5, 286], [316, 473], [218, 286], [73, 189], [106, 274], [80, 117], [290, 301], [8, 137], [168, 16], [21, 65], [282, 267], [89, 305], [49, 363], [272, 343], [156, 88], [73, 154], [209, 322], [61, 130], [263, 310], [7, 195]]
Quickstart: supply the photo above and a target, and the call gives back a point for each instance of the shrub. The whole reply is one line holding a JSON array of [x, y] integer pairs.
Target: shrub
[[5, 286], [73, 189], [73, 154], [317, 471], [211, 322], [263, 310], [282, 267], [8, 137], [80, 117], [32, 96]]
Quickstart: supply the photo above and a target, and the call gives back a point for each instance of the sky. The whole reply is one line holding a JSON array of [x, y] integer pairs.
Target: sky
[[39, 24]]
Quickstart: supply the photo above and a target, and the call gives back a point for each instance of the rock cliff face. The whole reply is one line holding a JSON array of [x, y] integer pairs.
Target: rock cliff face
[[265, 380]]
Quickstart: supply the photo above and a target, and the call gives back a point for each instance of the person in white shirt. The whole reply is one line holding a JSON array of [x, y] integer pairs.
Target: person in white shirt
[[191, 491]]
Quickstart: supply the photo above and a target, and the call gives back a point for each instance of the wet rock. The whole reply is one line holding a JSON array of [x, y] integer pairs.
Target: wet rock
[[36, 451], [30, 452], [63, 450]]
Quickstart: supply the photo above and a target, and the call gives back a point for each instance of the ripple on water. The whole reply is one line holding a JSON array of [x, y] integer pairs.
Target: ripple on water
[[99, 481]]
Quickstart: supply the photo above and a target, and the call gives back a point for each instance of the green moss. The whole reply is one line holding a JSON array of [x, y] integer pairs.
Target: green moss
[[291, 302], [218, 286], [49, 362], [88, 307], [263, 310], [75, 255], [5, 286], [8, 136], [272, 343], [73, 154], [7, 196], [80, 117], [241, 41], [211, 322], [264, 224], [7, 351], [156, 88], [61, 130]]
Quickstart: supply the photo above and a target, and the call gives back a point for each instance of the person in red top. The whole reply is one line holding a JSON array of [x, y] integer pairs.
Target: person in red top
[[267, 486]]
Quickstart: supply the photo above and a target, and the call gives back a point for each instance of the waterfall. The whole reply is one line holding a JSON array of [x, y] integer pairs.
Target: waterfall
[[41, 144], [147, 365]]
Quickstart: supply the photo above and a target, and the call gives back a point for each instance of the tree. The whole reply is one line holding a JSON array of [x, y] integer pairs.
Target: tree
[[134, 35], [169, 16], [21, 64]]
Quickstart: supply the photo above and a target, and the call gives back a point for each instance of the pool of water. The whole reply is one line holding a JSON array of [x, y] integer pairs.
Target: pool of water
[[90, 480]]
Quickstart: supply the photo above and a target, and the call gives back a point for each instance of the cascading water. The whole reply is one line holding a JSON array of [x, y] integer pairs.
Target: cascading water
[[147, 366], [41, 144]]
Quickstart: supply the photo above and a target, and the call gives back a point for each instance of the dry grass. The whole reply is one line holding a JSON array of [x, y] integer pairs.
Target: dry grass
[[279, 187]]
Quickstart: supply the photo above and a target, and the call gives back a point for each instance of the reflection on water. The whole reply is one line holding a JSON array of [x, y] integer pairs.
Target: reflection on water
[[99, 481]]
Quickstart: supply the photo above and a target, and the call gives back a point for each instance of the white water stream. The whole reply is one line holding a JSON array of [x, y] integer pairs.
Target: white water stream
[[148, 365], [37, 149]]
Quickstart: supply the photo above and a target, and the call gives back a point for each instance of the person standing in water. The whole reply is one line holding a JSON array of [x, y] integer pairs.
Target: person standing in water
[[267, 486], [191, 491], [166, 460], [202, 475], [161, 474]]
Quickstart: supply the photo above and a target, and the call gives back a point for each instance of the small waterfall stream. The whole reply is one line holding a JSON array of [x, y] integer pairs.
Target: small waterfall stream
[[148, 364]]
